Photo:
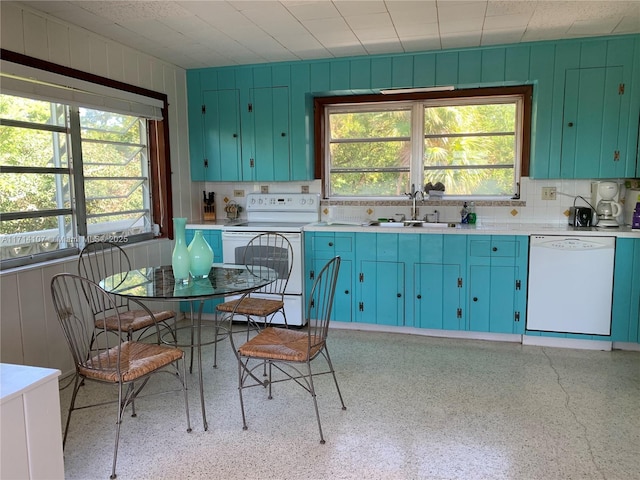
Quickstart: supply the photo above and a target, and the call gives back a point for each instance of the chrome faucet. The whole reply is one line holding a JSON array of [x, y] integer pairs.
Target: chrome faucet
[[414, 196]]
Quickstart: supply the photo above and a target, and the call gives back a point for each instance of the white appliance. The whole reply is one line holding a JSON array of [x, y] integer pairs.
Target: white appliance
[[570, 285], [286, 214], [604, 197]]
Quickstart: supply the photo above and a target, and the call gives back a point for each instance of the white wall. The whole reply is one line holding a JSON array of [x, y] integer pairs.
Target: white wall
[[29, 331]]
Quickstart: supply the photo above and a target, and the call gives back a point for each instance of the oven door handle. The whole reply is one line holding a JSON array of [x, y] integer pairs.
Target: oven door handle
[[235, 235]]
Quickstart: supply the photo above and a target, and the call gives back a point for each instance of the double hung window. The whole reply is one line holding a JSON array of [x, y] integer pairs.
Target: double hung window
[[474, 143]]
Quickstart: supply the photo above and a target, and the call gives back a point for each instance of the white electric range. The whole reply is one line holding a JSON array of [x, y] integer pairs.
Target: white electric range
[[287, 214]]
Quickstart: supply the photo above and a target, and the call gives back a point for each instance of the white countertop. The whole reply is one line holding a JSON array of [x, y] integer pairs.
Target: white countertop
[[487, 229], [15, 379], [459, 229]]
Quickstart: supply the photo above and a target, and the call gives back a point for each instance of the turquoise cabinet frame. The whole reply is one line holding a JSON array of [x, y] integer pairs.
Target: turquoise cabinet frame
[[545, 65]]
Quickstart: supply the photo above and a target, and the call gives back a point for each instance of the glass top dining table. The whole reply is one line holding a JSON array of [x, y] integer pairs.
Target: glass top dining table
[[157, 283]]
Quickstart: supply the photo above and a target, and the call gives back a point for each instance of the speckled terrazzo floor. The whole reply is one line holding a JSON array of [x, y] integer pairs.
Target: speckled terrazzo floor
[[418, 408]]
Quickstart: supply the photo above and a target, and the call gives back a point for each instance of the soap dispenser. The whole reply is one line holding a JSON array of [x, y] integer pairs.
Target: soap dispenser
[[464, 214]]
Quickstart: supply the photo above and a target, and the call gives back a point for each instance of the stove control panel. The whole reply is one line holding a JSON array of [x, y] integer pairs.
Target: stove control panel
[[283, 202]]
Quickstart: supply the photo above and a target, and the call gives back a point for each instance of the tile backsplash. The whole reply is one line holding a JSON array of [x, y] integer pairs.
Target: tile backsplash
[[530, 208]]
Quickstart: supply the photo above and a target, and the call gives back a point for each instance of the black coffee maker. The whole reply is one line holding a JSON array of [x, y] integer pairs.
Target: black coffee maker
[[580, 217]]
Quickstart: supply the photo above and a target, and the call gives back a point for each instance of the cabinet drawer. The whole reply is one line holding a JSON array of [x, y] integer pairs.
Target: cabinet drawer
[[332, 244], [493, 247]]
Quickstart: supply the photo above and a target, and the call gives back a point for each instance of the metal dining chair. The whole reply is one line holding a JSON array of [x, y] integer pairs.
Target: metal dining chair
[[291, 352], [271, 250], [101, 259], [110, 359]]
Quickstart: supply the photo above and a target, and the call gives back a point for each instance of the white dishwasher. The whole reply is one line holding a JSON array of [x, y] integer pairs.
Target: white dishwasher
[[570, 284]]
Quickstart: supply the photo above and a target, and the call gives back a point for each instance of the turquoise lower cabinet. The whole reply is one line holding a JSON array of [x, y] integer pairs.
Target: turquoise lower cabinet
[[214, 239], [625, 319], [437, 296], [381, 298], [438, 282], [320, 247], [435, 281], [380, 287], [496, 289]]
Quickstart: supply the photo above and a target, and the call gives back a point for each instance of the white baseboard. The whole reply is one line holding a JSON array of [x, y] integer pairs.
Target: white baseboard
[[566, 343]]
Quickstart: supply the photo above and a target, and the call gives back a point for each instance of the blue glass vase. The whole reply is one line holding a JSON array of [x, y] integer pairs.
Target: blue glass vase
[[200, 256], [180, 262]]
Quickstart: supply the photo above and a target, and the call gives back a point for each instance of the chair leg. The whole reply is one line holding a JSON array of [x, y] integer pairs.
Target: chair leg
[[312, 390], [333, 373], [76, 387], [241, 368], [121, 407]]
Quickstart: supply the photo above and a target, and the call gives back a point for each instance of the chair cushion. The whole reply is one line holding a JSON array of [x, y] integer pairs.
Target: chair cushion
[[133, 320], [136, 360], [260, 307], [281, 344]]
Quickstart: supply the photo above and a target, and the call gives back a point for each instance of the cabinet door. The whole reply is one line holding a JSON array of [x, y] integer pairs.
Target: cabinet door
[[269, 160], [437, 296], [342, 310], [591, 119], [320, 247], [497, 265], [221, 135], [381, 298], [625, 318]]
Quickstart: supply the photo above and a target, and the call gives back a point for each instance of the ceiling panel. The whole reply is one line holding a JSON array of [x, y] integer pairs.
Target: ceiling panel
[[193, 34]]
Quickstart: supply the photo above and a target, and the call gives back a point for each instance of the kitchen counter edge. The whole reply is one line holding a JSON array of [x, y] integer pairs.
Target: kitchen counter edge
[[485, 229]]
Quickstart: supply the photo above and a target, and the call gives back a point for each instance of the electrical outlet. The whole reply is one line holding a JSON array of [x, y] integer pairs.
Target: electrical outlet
[[305, 189], [264, 189], [238, 193], [548, 193]]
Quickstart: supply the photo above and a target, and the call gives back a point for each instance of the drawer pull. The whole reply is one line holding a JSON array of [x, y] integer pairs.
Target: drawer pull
[[331, 244], [495, 249], [475, 299]]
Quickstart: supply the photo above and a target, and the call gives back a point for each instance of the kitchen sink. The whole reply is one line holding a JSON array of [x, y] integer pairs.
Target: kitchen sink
[[417, 224]]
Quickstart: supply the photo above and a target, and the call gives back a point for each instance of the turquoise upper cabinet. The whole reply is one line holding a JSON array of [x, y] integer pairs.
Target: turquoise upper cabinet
[[221, 134], [591, 129], [593, 111], [267, 155], [240, 125], [575, 82]]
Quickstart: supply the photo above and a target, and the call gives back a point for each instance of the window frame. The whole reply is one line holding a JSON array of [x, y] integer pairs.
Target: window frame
[[321, 105], [158, 155]]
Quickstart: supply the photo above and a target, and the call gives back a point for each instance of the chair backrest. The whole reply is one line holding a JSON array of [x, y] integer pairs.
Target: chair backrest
[[101, 259], [320, 301], [74, 299], [271, 250]]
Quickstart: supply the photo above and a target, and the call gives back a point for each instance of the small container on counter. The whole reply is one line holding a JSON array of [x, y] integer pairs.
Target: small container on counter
[[209, 207]]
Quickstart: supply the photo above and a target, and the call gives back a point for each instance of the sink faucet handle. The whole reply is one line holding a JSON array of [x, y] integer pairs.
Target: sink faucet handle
[[403, 217]]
